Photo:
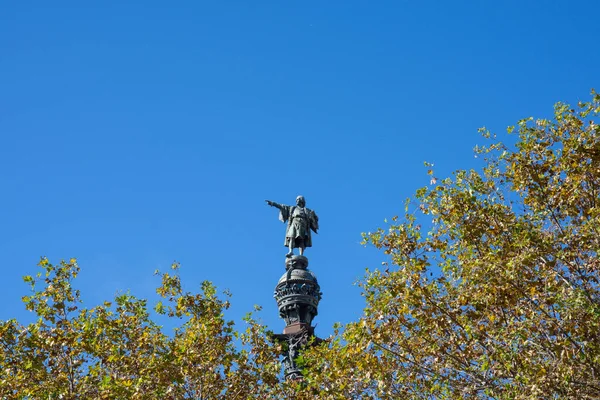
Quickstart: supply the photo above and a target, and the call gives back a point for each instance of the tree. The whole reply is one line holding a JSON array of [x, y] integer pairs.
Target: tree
[[116, 351], [491, 289]]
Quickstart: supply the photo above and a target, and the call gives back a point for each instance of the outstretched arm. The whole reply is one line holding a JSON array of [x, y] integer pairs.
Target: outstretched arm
[[273, 204]]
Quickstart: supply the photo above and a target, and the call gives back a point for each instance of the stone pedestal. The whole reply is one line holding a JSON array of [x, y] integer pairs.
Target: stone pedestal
[[296, 262]]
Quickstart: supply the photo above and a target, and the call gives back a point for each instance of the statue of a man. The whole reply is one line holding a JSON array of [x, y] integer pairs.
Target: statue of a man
[[300, 220]]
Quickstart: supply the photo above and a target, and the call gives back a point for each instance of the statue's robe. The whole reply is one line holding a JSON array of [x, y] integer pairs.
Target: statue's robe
[[300, 221]]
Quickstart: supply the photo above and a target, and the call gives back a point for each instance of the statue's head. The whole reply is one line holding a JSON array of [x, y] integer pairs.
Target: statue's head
[[300, 201]]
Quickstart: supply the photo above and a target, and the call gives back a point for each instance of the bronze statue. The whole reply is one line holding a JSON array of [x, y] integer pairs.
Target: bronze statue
[[300, 220]]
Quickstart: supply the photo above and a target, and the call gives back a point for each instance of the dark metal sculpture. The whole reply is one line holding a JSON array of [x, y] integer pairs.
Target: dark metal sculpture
[[298, 292], [300, 221]]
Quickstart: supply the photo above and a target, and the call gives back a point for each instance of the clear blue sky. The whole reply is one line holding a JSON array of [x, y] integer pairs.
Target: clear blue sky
[[138, 133]]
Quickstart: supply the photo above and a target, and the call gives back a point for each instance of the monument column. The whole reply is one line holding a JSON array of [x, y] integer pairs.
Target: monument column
[[297, 293]]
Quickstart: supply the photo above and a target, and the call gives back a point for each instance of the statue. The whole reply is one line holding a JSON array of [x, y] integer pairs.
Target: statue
[[300, 220]]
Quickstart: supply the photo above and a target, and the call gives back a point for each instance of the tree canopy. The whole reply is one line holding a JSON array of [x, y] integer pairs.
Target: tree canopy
[[492, 284], [116, 351], [490, 288]]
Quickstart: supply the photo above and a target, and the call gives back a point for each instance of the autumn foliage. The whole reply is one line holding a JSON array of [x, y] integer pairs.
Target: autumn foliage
[[490, 289], [116, 351]]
